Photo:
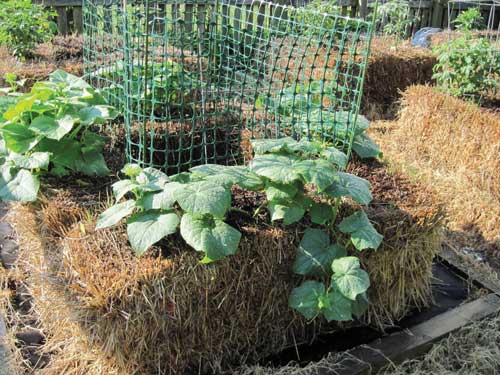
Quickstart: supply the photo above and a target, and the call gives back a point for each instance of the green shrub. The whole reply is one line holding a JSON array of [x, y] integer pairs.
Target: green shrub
[[468, 66], [395, 17], [471, 19], [23, 25]]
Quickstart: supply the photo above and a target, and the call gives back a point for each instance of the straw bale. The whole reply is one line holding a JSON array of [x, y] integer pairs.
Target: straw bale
[[455, 146], [108, 309], [393, 66]]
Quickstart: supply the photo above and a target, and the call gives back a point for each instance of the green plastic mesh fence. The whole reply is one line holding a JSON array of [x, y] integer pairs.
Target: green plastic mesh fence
[[197, 80], [103, 48]]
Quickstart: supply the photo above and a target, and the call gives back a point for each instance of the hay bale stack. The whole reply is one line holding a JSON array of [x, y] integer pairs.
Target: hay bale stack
[[177, 316], [455, 146], [392, 67]]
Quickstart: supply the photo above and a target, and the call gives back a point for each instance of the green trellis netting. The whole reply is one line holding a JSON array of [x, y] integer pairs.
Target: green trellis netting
[[196, 80]]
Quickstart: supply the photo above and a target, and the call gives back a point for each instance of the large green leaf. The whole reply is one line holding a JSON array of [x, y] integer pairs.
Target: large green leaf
[[91, 162], [232, 175], [63, 78], [305, 298], [64, 152], [32, 161], [349, 278], [210, 235], [350, 185], [277, 168], [152, 179], [204, 197], [277, 191], [318, 172], [365, 147], [360, 305], [51, 128], [122, 187], [306, 147], [146, 228], [115, 213], [290, 212], [19, 138], [321, 213], [316, 253], [363, 234], [335, 156], [262, 146], [97, 114], [20, 185], [163, 199], [338, 307]]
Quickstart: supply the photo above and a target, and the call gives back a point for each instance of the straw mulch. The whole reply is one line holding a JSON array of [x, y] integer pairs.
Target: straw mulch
[[454, 146], [105, 311], [62, 53]]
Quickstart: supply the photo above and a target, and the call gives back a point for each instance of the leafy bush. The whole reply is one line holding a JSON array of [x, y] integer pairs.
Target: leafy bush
[[468, 20], [468, 66], [49, 129], [23, 25], [290, 174], [395, 17]]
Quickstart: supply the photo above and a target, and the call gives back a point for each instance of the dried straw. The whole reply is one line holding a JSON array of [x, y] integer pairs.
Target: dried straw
[[108, 311]]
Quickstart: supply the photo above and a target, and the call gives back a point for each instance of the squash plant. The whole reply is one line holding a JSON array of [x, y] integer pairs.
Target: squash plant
[[297, 178], [50, 130]]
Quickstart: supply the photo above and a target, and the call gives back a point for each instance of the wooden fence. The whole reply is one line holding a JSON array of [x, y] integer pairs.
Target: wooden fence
[[424, 12]]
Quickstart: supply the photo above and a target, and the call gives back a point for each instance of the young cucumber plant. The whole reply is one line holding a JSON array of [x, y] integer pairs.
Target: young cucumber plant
[[299, 109], [50, 129], [297, 178]]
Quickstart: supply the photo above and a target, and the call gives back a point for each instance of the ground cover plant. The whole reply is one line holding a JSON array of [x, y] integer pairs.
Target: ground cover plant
[[284, 170], [23, 25], [50, 130]]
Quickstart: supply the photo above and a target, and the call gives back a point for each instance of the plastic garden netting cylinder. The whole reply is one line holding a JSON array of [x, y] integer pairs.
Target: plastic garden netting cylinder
[[195, 80]]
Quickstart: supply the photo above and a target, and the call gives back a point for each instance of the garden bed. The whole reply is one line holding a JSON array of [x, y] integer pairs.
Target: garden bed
[[116, 313]]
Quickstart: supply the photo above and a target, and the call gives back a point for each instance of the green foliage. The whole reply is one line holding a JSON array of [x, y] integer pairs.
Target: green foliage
[[298, 109], [335, 301], [468, 66], [23, 25], [395, 17], [49, 130], [470, 19], [297, 178], [165, 84]]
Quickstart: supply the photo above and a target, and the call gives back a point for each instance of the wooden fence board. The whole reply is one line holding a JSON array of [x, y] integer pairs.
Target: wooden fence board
[[429, 12]]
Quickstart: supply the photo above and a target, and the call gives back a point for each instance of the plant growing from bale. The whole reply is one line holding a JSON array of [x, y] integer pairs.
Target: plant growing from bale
[[50, 130], [298, 109], [164, 84], [468, 66], [23, 25], [297, 178]]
